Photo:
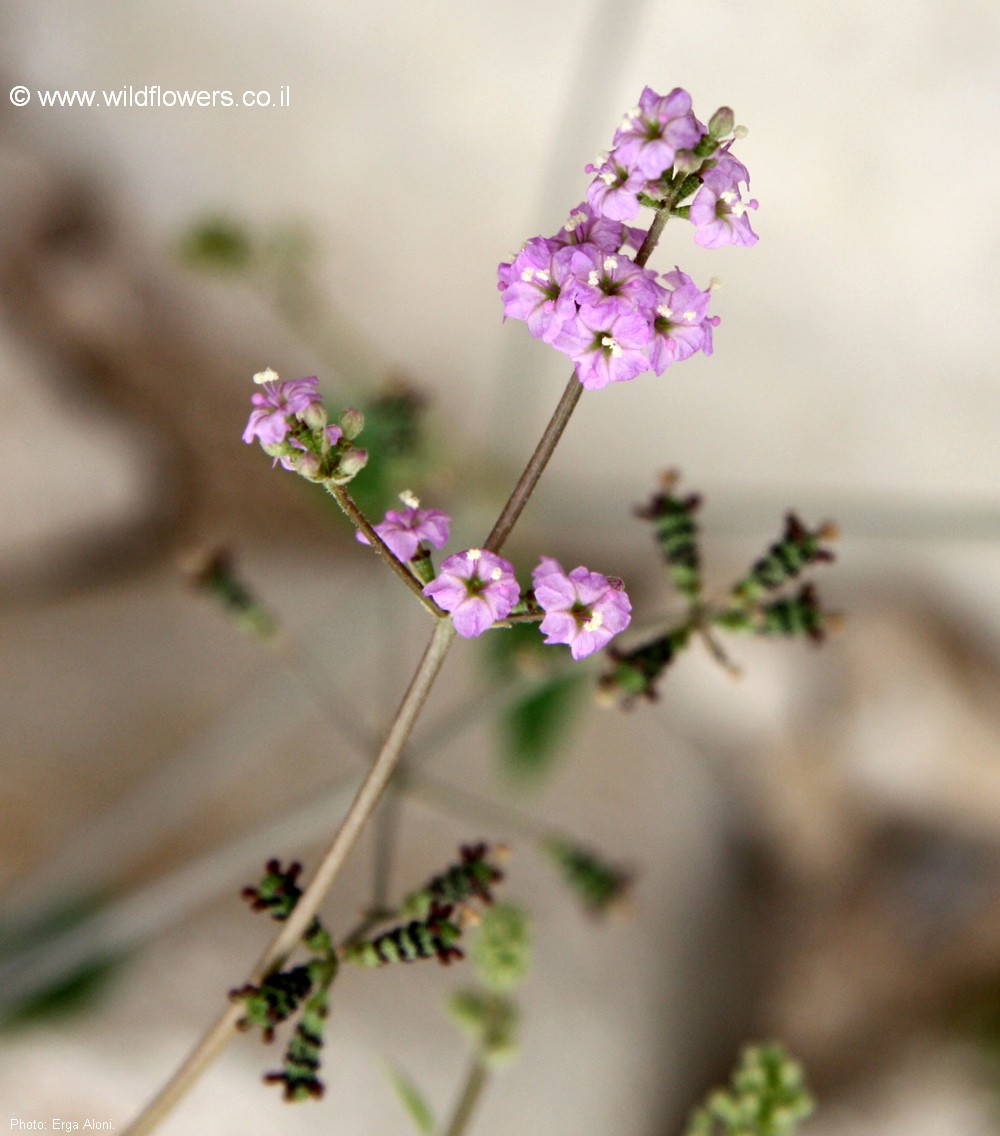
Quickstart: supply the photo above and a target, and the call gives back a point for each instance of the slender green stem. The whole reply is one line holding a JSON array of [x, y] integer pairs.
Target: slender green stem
[[475, 1081]]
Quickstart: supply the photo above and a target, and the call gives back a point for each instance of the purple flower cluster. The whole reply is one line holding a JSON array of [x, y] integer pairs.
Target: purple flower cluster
[[290, 422], [578, 290], [582, 609]]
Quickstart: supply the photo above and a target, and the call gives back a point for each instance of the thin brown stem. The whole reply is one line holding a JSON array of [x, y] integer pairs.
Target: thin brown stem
[[535, 467], [382, 768], [362, 524], [300, 918]]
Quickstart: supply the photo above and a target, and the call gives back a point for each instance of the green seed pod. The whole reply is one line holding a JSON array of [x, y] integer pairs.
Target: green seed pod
[[677, 535], [785, 559], [597, 884], [432, 937], [473, 878], [634, 673]]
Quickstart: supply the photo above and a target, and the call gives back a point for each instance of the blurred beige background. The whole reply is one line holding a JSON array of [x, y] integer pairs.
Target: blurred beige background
[[780, 825]]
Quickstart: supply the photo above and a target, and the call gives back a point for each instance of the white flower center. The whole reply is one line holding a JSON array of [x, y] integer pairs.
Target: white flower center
[[496, 574], [409, 499], [610, 263], [575, 221], [474, 554], [663, 310], [266, 376], [608, 177], [594, 622], [609, 343], [688, 317]]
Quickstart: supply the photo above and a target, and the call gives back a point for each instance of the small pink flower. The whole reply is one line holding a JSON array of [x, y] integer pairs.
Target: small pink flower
[[276, 403], [404, 529], [582, 608], [477, 587]]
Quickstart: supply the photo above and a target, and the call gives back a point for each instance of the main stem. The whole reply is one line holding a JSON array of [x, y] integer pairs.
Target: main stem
[[294, 927], [384, 764]]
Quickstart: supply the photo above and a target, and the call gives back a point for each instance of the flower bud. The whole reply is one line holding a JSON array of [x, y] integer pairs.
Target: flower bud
[[314, 416], [351, 463], [352, 422], [721, 123], [309, 466], [687, 161]]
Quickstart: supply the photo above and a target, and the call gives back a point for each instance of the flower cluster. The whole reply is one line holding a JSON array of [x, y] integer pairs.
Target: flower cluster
[[582, 609], [581, 293], [476, 587], [290, 422]]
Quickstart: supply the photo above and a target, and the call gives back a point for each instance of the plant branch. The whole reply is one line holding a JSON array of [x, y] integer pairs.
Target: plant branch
[[535, 467], [293, 928], [475, 1081], [382, 768], [363, 525]]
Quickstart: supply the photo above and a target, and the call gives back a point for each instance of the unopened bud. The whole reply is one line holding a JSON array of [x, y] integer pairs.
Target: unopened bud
[[352, 422], [314, 416], [309, 466], [686, 162], [720, 125], [352, 463]]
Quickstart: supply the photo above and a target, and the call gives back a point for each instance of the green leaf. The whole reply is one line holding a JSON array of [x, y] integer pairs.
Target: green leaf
[[220, 243], [534, 728], [74, 990], [412, 1100]]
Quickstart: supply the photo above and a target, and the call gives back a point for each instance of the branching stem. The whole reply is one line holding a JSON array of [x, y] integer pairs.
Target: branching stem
[[382, 767]]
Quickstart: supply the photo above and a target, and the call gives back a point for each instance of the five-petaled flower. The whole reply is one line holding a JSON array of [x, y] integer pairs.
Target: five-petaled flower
[[582, 608], [477, 587], [403, 530]]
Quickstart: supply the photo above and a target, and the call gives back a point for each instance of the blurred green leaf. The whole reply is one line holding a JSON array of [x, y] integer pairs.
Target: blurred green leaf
[[218, 242], [501, 949], [412, 1100], [71, 992], [488, 1020], [535, 727]]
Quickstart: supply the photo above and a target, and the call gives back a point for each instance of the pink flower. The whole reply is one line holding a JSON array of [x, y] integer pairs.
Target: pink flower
[[682, 324], [404, 529], [277, 403], [614, 191], [606, 348], [477, 587], [582, 608], [652, 133], [718, 212], [541, 287]]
